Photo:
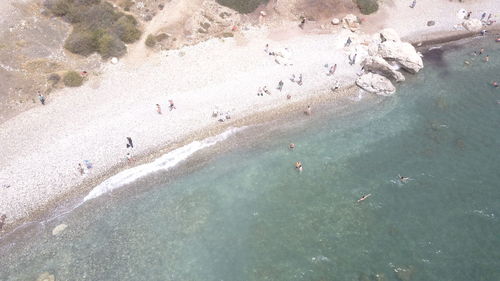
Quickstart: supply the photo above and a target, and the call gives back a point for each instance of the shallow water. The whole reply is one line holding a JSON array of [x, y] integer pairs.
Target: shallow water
[[246, 214]]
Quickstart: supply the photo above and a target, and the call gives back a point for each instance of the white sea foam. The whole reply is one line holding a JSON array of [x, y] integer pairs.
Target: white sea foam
[[164, 163]]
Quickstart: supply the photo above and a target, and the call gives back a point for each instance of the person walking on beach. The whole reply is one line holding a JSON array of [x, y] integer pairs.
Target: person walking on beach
[[158, 109], [41, 98], [348, 42], [171, 106], [130, 143], [302, 22], [353, 59], [80, 169], [413, 4], [280, 85], [129, 157], [300, 80]]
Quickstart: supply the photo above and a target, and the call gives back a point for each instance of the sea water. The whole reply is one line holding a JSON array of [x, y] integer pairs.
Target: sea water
[[240, 211]]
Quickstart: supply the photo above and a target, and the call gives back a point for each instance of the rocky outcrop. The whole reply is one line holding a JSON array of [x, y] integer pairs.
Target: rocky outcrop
[[379, 65], [403, 53], [473, 25], [375, 83], [350, 22]]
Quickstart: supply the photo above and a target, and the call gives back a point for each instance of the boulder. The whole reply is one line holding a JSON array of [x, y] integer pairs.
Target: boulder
[[335, 21], [350, 22], [389, 34], [403, 53], [473, 25], [58, 229], [431, 23], [46, 277], [379, 65], [375, 83]]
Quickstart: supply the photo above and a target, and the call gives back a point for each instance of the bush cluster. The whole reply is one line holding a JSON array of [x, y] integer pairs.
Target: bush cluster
[[72, 79], [367, 6], [150, 41], [97, 27]]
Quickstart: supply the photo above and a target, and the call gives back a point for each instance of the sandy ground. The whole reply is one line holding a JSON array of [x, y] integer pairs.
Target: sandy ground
[[42, 147]]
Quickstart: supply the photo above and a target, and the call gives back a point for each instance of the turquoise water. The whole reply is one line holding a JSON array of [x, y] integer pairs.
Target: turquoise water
[[246, 214]]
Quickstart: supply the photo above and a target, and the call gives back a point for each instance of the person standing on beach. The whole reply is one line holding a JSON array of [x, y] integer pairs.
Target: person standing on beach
[[129, 157], [41, 98], [130, 143], [80, 169], [308, 110], [158, 109], [280, 85], [300, 80], [353, 59], [332, 69], [171, 106], [348, 42]]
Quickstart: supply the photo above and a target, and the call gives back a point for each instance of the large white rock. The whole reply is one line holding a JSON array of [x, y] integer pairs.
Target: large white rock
[[403, 53], [473, 25], [390, 35], [379, 65], [375, 83], [350, 22], [335, 21]]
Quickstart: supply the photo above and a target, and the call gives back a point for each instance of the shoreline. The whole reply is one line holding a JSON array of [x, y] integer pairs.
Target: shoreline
[[247, 115], [294, 108]]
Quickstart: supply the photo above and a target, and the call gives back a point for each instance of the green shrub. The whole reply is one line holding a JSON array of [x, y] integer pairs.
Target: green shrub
[[97, 26], [72, 79], [150, 41], [367, 6], [242, 6], [54, 78], [125, 28], [160, 37], [111, 46], [81, 42]]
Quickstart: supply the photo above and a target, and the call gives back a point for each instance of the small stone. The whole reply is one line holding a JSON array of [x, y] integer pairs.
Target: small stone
[[335, 21], [431, 23], [114, 60], [46, 277], [263, 13], [58, 229]]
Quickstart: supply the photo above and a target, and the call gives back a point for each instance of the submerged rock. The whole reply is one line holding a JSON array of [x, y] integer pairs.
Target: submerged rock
[[58, 229], [46, 277], [375, 83], [379, 65], [472, 25], [403, 53], [404, 273]]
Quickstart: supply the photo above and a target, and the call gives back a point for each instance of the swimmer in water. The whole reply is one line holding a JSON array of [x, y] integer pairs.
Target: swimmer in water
[[291, 145], [363, 197], [403, 179], [298, 166]]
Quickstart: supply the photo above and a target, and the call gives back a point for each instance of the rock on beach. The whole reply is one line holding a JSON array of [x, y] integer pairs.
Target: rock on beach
[[59, 229], [376, 84]]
